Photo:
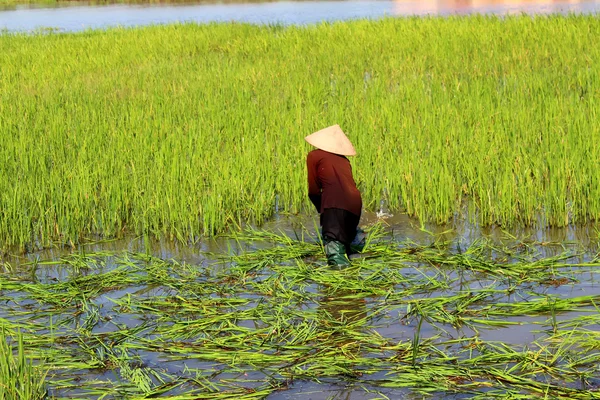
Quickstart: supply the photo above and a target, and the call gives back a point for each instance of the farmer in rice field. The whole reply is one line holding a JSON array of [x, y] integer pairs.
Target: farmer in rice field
[[332, 190]]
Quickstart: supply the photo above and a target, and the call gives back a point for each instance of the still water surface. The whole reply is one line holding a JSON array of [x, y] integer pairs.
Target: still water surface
[[78, 17]]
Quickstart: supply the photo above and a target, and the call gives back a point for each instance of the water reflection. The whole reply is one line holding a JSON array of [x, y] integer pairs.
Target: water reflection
[[344, 316], [345, 307], [444, 7], [398, 227]]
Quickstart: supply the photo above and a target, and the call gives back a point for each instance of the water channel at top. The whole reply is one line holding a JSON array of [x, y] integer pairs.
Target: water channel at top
[[77, 17]]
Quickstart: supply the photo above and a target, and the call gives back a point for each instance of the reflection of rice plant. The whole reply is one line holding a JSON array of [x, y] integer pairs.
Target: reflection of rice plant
[[19, 378]]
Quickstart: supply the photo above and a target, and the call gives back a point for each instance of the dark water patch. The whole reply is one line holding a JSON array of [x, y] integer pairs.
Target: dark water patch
[[335, 391], [518, 330]]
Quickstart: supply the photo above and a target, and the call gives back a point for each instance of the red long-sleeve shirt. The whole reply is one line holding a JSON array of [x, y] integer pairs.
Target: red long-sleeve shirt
[[330, 182]]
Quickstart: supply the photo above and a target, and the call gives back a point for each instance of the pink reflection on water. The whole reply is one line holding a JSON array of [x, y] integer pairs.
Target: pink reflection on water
[[423, 7]]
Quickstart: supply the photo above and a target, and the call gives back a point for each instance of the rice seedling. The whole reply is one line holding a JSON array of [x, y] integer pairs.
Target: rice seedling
[[184, 130], [19, 378]]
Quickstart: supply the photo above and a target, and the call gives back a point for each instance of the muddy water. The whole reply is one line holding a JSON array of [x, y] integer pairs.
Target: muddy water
[[77, 17], [523, 329], [398, 227]]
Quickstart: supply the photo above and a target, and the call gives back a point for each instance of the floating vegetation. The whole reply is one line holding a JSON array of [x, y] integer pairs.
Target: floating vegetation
[[182, 130], [267, 315]]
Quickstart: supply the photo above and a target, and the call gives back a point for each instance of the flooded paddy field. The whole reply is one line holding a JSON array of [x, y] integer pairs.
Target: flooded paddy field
[[423, 312], [177, 139]]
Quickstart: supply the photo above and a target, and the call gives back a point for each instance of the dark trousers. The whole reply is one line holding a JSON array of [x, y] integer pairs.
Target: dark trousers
[[339, 225]]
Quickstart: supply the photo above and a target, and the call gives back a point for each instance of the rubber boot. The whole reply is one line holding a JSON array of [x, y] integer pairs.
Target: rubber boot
[[336, 253], [359, 242]]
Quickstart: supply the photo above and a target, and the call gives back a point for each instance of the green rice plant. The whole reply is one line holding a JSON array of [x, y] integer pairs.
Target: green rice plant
[[19, 378], [185, 130], [416, 341]]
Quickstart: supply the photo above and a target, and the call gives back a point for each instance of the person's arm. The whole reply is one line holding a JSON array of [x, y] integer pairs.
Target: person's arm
[[314, 190], [316, 200]]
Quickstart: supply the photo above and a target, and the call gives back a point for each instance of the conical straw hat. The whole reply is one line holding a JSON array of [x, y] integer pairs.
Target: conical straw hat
[[333, 140]]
